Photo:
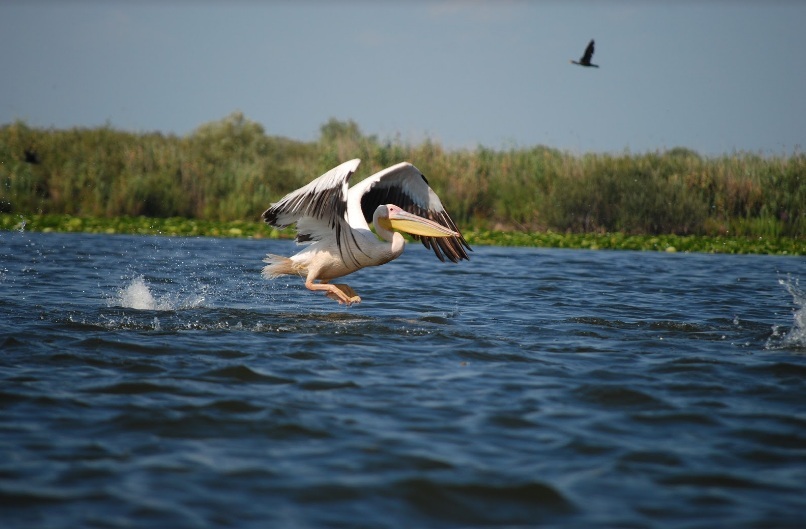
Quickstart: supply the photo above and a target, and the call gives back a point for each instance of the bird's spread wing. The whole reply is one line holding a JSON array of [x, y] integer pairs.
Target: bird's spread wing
[[588, 53], [319, 208], [405, 186]]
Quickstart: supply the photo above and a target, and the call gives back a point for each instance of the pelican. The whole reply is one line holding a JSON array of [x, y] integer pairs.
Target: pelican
[[332, 221], [585, 60]]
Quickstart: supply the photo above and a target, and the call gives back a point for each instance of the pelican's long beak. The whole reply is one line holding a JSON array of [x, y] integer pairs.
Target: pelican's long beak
[[408, 222]]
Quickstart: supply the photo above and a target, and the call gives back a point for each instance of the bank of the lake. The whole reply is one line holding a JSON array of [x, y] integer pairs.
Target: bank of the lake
[[232, 169]]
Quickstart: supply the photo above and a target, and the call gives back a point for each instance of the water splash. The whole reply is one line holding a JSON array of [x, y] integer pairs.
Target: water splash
[[796, 336], [138, 295]]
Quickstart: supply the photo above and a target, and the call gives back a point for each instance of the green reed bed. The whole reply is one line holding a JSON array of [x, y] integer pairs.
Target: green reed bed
[[217, 180]]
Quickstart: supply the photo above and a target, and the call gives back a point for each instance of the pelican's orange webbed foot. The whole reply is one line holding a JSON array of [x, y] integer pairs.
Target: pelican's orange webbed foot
[[341, 293], [350, 295]]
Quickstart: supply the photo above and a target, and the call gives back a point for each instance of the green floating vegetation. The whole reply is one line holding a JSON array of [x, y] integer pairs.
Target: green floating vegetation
[[662, 243], [172, 226], [176, 226]]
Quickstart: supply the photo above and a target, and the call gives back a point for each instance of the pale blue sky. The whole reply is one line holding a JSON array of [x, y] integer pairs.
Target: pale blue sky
[[716, 77]]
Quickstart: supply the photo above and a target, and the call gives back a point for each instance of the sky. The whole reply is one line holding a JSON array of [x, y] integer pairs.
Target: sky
[[717, 77]]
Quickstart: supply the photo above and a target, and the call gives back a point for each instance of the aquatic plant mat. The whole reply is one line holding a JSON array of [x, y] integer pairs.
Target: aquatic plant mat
[[255, 229]]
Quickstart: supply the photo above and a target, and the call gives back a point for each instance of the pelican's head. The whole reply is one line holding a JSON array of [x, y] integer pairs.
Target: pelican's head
[[396, 218]]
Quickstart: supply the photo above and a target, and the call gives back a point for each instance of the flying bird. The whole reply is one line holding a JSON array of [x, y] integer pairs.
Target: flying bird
[[585, 60], [332, 220]]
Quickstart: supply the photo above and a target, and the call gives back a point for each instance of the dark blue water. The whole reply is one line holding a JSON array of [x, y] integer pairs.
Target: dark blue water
[[160, 382]]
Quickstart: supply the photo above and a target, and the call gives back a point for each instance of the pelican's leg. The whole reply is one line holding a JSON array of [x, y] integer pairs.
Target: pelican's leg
[[349, 292], [332, 291]]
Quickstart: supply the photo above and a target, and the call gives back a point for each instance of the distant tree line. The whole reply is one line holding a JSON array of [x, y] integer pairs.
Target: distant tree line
[[232, 170]]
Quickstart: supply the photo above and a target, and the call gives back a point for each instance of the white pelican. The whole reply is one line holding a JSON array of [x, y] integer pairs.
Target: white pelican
[[332, 221]]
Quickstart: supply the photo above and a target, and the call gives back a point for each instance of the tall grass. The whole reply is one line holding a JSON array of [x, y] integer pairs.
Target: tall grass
[[232, 170]]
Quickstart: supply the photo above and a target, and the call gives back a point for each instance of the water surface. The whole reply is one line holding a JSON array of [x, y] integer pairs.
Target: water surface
[[161, 382]]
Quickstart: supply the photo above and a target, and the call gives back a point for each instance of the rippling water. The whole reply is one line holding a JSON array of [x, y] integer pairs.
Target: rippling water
[[160, 382]]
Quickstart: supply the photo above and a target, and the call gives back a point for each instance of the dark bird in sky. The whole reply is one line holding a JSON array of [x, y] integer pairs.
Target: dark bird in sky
[[585, 60]]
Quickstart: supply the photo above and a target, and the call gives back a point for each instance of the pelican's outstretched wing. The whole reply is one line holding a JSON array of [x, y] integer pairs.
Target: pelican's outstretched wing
[[405, 186], [324, 198], [318, 208]]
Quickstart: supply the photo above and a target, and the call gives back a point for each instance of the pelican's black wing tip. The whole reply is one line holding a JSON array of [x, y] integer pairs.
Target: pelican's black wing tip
[[269, 216]]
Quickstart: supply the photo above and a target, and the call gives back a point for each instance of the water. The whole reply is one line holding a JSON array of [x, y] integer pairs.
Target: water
[[160, 382]]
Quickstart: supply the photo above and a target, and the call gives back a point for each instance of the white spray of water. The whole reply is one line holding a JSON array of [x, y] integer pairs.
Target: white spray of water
[[796, 337], [137, 295]]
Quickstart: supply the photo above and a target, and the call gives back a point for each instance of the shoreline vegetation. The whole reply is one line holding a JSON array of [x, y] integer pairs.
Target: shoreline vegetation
[[218, 179], [182, 227]]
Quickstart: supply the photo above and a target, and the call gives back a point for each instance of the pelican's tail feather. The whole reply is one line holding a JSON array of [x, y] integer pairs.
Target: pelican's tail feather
[[278, 265]]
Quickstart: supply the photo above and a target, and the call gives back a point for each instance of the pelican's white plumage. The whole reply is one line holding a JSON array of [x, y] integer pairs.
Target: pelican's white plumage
[[333, 221]]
